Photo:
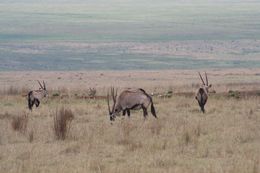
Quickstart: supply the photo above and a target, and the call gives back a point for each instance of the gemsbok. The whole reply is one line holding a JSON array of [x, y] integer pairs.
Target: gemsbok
[[35, 96], [130, 99], [202, 93]]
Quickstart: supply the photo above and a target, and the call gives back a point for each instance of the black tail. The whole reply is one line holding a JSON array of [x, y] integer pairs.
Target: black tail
[[153, 110], [202, 101], [30, 102], [152, 106], [202, 108]]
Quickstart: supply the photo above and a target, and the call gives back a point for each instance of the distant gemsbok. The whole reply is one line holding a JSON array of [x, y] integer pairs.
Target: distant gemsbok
[[35, 96], [130, 99], [202, 93]]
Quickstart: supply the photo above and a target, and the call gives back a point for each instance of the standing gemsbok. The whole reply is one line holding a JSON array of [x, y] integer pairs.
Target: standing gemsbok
[[130, 99], [35, 96], [202, 93]]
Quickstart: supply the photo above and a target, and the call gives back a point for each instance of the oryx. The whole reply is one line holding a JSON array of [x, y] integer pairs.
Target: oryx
[[202, 93], [35, 96], [130, 99]]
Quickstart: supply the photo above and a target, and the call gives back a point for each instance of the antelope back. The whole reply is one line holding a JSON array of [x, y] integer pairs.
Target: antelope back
[[39, 94], [130, 98]]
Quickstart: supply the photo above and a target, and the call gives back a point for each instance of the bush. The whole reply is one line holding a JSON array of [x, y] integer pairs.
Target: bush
[[169, 94], [234, 94], [92, 92], [62, 121], [55, 95]]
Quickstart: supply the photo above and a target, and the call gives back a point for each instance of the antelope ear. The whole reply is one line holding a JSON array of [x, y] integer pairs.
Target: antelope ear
[[210, 85]]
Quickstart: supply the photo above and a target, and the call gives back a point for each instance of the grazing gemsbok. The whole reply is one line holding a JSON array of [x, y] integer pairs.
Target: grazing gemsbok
[[35, 96], [202, 93], [130, 99]]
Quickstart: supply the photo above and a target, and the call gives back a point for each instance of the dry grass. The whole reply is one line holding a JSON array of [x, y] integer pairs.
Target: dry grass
[[19, 123], [31, 136], [153, 81], [182, 140], [13, 90], [62, 121]]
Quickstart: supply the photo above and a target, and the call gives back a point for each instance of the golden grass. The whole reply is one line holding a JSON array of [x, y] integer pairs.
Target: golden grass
[[224, 139]]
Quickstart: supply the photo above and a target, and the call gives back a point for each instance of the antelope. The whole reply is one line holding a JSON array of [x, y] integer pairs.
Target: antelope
[[35, 96], [130, 99], [202, 93]]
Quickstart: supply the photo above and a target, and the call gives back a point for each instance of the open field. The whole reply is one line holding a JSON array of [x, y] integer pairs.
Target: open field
[[224, 139], [153, 81], [155, 45]]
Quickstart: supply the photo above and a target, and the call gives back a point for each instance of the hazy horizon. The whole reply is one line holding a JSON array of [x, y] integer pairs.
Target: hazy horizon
[[128, 35]]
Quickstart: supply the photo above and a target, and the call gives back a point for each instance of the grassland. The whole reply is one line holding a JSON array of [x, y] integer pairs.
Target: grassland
[[224, 139], [64, 39]]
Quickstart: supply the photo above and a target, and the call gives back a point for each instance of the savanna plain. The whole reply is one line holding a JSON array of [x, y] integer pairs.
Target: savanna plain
[[157, 46], [183, 139]]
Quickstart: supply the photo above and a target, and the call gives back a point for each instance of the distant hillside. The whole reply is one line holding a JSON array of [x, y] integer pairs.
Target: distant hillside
[[131, 34]]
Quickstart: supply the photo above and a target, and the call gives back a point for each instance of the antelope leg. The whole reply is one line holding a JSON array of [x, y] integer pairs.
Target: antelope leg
[[128, 112], [144, 111], [37, 102]]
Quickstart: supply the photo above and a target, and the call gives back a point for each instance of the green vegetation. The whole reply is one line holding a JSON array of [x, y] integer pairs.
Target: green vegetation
[[234, 94]]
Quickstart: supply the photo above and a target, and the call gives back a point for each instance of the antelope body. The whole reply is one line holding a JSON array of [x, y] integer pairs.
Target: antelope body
[[130, 99], [202, 93], [35, 96]]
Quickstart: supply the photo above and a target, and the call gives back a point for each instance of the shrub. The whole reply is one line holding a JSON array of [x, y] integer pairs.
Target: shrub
[[234, 94], [62, 121], [55, 95], [169, 94], [92, 92]]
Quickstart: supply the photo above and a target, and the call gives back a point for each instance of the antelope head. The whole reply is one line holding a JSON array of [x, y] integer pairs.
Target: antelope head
[[205, 85], [43, 88], [112, 111]]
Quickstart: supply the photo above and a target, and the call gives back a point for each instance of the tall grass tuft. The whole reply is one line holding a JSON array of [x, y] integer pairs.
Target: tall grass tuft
[[31, 136], [19, 123], [62, 122]]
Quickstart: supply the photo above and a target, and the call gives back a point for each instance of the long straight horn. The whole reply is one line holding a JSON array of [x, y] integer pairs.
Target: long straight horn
[[114, 96], [44, 84], [201, 78], [113, 93], [40, 84], [207, 82]]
